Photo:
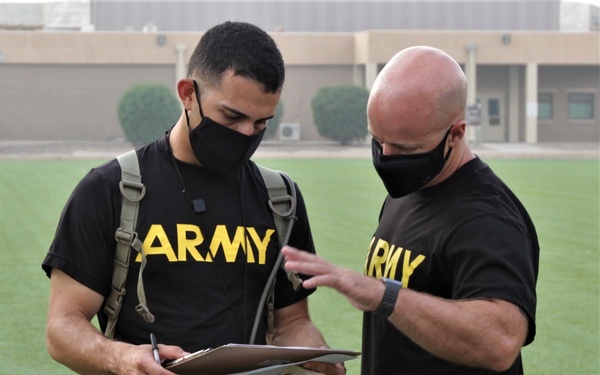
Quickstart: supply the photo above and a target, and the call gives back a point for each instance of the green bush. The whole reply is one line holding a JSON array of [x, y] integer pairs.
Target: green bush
[[273, 124], [340, 113], [146, 111]]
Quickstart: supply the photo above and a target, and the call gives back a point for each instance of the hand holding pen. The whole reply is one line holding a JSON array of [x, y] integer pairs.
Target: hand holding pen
[[168, 353], [155, 348]]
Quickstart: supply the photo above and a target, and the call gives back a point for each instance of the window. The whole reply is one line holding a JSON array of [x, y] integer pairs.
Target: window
[[494, 112], [581, 106], [545, 106]]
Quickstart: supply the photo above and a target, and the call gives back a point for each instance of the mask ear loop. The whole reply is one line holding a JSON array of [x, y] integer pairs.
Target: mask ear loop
[[187, 117], [197, 91], [449, 148]]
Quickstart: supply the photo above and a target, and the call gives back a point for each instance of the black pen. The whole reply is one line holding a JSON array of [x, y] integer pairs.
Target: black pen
[[154, 348]]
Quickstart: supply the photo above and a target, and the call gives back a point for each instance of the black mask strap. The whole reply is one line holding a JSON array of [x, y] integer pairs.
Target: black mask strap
[[197, 90], [449, 148]]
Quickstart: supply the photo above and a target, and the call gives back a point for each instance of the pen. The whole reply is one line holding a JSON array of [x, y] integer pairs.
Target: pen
[[154, 348]]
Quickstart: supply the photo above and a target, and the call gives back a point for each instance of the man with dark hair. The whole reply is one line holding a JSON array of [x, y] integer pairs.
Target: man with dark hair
[[207, 263], [243, 48], [450, 276]]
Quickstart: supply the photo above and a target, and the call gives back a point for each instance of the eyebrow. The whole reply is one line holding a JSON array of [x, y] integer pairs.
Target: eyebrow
[[242, 114]]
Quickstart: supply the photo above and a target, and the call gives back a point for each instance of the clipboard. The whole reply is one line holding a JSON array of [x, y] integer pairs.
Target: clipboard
[[241, 359]]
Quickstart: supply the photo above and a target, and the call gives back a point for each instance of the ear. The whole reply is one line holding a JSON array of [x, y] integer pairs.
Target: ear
[[457, 133], [187, 95]]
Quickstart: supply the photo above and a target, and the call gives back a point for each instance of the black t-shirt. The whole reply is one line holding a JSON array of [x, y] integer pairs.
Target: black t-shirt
[[468, 237], [205, 271]]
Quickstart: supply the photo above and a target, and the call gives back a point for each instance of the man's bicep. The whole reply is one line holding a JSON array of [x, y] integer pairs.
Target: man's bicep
[[68, 297]]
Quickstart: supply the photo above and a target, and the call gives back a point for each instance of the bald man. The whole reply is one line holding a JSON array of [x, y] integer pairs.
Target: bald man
[[450, 277]]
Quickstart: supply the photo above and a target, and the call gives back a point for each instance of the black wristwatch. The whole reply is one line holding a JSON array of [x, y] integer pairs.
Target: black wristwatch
[[392, 289]]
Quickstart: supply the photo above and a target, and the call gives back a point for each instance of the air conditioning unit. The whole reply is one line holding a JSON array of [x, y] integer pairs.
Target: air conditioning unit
[[289, 131]]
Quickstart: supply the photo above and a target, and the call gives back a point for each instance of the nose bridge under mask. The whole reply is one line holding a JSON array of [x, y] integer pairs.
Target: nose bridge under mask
[[404, 174]]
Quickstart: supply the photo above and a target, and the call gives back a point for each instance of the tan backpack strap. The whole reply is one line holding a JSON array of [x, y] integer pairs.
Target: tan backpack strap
[[133, 191], [280, 201], [283, 206]]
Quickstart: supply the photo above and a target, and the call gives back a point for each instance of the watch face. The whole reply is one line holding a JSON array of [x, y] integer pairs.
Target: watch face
[[386, 280]]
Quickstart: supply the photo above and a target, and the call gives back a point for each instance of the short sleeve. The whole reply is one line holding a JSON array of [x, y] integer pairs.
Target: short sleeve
[[84, 245], [492, 257]]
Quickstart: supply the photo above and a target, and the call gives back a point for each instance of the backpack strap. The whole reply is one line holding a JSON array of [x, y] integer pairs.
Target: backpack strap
[[283, 205], [132, 190]]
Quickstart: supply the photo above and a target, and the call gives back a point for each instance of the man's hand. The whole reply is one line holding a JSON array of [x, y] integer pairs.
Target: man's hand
[[486, 333], [139, 359], [363, 292]]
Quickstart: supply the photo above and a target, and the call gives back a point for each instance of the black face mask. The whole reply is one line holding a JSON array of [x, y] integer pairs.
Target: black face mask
[[218, 148], [404, 174]]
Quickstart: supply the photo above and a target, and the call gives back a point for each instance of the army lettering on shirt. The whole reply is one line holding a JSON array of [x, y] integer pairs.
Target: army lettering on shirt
[[384, 260], [190, 238]]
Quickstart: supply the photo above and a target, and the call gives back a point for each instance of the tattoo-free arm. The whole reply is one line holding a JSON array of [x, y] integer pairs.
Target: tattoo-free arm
[[293, 327], [73, 341], [481, 333]]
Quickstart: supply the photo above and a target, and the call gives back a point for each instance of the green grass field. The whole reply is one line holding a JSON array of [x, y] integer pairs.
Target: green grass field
[[343, 199]]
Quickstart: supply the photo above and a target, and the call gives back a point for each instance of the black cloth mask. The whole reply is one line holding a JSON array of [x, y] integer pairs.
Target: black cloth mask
[[404, 174], [219, 149]]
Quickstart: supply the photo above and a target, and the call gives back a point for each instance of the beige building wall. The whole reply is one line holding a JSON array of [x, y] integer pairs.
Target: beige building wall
[[66, 85], [561, 81], [69, 101]]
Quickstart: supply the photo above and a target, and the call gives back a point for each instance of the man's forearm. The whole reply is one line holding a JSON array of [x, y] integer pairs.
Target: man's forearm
[[77, 344], [479, 333], [299, 333]]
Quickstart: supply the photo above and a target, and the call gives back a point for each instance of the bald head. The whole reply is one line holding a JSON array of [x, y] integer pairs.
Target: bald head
[[421, 90]]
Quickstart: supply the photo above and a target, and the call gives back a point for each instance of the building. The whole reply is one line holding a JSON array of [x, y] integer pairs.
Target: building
[[533, 66]]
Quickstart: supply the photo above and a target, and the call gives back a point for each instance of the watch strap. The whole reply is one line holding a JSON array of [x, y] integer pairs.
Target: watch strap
[[390, 295]]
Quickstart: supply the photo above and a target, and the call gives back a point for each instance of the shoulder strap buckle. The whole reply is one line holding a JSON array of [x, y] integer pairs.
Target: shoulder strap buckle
[[132, 191]]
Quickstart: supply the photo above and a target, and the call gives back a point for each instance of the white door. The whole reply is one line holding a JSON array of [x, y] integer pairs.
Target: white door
[[493, 118]]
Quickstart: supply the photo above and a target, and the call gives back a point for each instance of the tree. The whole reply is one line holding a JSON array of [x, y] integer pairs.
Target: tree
[[340, 113], [273, 124], [146, 111]]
